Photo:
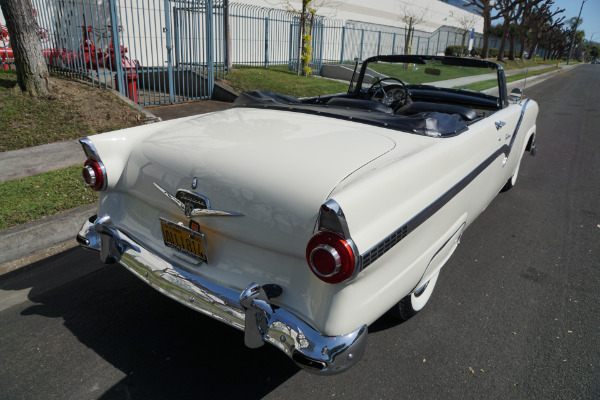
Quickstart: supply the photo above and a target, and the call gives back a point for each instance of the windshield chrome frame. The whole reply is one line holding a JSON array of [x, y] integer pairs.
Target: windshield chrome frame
[[356, 87]]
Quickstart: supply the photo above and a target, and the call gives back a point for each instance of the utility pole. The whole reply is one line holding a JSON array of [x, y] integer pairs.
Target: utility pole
[[575, 32]]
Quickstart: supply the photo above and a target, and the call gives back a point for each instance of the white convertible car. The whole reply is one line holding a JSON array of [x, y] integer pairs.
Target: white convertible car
[[302, 221]]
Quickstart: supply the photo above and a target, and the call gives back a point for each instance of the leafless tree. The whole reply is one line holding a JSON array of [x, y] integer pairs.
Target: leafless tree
[[307, 16], [411, 14], [486, 9], [24, 33], [555, 41], [541, 22], [509, 11], [521, 29], [466, 21]]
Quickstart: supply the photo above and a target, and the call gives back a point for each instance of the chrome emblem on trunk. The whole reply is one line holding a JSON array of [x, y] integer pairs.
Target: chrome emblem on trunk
[[194, 204], [192, 200]]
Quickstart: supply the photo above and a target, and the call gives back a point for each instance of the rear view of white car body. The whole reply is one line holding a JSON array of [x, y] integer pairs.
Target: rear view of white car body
[[301, 222]]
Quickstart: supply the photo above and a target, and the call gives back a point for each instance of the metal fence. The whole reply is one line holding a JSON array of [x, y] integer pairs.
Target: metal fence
[[166, 51], [267, 36], [152, 51]]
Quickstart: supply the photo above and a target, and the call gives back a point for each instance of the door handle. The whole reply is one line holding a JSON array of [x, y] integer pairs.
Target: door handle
[[499, 125]]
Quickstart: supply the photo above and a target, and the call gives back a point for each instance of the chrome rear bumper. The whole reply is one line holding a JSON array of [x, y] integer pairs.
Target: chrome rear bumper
[[249, 311]]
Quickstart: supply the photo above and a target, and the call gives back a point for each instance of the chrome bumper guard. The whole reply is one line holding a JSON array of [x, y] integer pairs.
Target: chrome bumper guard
[[250, 311]]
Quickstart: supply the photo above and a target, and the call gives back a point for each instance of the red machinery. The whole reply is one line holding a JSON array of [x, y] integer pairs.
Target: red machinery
[[5, 52], [91, 56], [97, 58]]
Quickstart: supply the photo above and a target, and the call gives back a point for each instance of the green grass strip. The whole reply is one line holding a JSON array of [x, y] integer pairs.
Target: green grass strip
[[415, 74], [280, 80], [35, 197], [483, 85]]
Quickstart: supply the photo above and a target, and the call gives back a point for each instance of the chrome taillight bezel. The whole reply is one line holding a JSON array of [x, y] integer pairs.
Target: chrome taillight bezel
[[96, 178], [333, 236]]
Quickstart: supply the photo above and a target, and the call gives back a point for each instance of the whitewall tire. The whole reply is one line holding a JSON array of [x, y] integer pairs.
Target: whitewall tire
[[414, 302]]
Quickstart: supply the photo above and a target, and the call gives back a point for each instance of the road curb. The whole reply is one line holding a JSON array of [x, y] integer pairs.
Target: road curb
[[20, 241], [18, 164]]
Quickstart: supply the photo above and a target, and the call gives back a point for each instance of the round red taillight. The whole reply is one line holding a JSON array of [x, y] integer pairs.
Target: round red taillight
[[93, 174], [330, 257]]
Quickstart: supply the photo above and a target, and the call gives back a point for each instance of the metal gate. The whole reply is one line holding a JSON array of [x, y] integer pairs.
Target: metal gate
[[189, 46], [152, 51]]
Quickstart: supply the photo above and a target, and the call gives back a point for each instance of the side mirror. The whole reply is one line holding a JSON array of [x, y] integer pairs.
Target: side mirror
[[516, 94]]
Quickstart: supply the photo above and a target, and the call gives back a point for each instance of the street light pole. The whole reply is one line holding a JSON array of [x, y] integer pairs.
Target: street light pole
[[575, 32]]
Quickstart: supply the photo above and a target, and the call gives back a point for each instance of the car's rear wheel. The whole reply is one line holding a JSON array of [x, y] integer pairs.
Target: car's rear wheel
[[513, 179], [414, 302]]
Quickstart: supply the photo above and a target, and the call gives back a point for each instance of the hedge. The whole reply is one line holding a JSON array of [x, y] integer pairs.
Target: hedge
[[475, 52]]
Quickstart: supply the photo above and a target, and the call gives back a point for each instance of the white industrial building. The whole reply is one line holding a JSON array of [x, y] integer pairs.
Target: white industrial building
[[386, 12]]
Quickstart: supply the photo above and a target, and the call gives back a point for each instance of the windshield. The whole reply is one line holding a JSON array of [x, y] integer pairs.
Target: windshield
[[438, 72]]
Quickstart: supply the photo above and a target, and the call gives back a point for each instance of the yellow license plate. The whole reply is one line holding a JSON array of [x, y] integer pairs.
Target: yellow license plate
[[184, 240]]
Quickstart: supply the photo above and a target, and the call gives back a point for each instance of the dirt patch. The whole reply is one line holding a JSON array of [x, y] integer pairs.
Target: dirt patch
[[97, 108], [72, 110]]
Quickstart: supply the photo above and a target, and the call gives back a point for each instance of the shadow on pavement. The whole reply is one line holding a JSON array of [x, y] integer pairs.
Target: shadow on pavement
[[164, 349]]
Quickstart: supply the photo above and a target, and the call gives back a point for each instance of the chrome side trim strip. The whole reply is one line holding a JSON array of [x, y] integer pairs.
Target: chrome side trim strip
[[375, 252], [249, 311]]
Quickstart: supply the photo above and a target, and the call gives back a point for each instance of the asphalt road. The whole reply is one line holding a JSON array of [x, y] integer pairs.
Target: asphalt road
[[515, 313]]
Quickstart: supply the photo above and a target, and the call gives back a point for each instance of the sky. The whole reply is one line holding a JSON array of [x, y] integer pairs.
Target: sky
[[590, 15]]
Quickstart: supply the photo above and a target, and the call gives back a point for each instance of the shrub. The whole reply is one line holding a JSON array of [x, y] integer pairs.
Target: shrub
[[452, 51], [492, 52], [476, 52], [306, 55]]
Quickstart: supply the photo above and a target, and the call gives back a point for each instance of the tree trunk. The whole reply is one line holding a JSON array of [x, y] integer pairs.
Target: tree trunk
[[533, 47], [522, 49], [302, 22], [32, 72], [407, 36], [505, 27], [487, 26]]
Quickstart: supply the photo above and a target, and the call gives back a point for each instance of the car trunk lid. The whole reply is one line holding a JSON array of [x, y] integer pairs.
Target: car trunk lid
[[276, 168]]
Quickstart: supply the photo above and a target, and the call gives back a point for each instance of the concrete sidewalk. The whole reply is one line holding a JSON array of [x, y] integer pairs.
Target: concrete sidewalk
[[22, 245], [50, 157], [25, 244]]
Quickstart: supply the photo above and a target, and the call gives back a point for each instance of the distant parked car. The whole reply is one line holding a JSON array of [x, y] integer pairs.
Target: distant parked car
[[302, 221], [596, 61]]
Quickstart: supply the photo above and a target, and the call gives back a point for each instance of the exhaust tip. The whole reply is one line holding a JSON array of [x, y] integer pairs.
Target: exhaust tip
[[308, 363]]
